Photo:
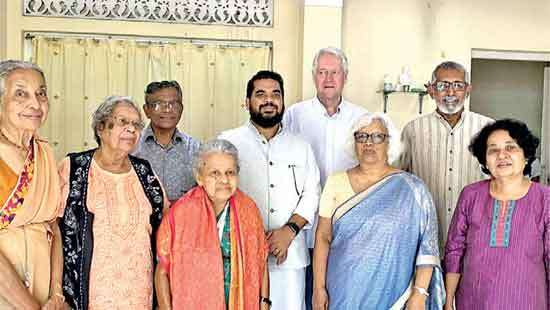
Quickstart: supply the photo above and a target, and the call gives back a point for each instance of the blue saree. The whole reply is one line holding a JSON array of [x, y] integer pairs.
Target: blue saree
[[380, 236]]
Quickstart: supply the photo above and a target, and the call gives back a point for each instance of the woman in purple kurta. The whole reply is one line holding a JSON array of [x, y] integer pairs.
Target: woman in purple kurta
[[498, 246]]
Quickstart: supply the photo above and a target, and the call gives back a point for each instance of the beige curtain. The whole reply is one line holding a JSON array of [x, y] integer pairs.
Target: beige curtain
[[81, 72]]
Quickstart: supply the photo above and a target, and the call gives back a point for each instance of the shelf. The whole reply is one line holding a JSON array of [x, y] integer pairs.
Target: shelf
[[387, 93]]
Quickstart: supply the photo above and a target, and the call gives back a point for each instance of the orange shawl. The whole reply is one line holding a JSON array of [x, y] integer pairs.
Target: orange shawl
[[189, 251]]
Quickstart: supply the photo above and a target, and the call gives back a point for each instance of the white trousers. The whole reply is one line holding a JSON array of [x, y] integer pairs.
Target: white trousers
[[287, 288]]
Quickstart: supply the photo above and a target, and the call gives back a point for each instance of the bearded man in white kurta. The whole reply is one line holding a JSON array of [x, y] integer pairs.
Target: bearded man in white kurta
[[278, 170]]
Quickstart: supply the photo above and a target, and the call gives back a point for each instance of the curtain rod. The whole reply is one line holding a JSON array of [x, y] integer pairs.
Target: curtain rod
[[150, 40]]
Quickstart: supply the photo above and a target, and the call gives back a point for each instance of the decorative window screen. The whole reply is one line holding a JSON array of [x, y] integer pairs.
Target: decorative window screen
[[257, 13]]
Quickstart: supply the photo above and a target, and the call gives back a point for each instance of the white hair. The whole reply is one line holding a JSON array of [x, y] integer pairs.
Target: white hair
[[394, 140], [106, 109], [221, 146], [450, 65], [332, 51], [8, 66]]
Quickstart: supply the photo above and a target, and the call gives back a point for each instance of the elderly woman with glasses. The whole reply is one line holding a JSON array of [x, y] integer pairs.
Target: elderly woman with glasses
[[376, 243], [212, 248], [30, 248], [112, 205], [497, 254]]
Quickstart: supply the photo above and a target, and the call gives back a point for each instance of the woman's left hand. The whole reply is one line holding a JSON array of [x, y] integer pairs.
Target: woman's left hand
[[55, 302], [416, 302]]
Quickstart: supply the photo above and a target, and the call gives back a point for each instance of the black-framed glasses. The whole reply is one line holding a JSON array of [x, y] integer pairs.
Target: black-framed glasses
[[446, 85], [154, 86], [165, 105], [123, 122], [375, 137]]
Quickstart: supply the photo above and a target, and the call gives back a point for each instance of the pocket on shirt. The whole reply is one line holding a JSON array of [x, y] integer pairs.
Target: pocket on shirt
[[294, 174]]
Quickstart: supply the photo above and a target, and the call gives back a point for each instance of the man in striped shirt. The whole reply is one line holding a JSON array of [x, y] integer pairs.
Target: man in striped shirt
[[435, 146]]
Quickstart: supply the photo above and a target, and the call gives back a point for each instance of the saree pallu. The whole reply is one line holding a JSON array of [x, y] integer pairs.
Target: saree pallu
[[26, 241], [380, 236], [188, 249]]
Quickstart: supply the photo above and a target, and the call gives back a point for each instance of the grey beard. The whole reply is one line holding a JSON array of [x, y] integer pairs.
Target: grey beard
[[450, 105]]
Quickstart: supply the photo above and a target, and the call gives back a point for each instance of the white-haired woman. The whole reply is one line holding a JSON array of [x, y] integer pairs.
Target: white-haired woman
[[376, 243], [112, 205], [30, 251], [211, 244]]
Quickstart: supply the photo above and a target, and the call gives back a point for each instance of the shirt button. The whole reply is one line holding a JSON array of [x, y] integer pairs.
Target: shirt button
[[450, 189], [270, 163], [452, 133], [272, 210], [263, 142], [272, 185], [449, 209], [450, 169], [451, 151]]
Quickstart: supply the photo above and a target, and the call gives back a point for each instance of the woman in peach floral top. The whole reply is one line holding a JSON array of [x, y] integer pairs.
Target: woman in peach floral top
[[112, 204]]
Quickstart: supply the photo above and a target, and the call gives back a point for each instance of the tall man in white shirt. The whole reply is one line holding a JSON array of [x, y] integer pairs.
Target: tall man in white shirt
[[278, 170], [435, 146], [323, 121]]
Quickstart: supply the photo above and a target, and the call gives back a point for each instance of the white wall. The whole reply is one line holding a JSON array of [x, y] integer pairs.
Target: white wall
[[322, 28], [3, 28], [382, 36]]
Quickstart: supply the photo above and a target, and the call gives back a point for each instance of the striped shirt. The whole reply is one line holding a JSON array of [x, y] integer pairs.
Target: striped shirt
[[438, 154]]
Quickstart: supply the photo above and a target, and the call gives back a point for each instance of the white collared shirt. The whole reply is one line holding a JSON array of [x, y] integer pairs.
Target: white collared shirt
[[282, 178], [326, 134], [439, 155]]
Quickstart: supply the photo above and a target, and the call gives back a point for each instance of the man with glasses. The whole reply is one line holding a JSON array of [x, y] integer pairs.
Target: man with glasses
[[169, 150], [435, 146], [278, 170]]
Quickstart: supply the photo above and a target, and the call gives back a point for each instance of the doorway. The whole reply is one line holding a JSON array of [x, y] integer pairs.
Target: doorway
[[513, 85]]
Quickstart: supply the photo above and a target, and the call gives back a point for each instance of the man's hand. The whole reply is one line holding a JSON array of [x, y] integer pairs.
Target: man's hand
[[279, 240]]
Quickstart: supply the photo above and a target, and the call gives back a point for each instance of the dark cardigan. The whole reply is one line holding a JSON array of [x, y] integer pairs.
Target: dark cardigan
[[77, 222]]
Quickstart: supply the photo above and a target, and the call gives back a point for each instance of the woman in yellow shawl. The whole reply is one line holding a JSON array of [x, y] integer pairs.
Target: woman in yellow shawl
[[30, 248]]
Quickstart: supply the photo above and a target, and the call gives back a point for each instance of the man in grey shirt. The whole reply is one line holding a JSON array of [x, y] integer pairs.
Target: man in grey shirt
[[169, 150]]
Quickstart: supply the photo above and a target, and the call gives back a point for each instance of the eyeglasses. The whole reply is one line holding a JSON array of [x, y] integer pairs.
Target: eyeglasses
[[154, 86], [375, 137], [166, 105], [123, 122], [446, 85]]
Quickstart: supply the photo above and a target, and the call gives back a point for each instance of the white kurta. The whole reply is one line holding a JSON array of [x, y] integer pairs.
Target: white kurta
[[326, 134], [282, 177]]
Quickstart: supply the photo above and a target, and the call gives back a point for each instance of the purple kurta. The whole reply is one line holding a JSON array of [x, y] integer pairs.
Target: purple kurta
[[496, 276]]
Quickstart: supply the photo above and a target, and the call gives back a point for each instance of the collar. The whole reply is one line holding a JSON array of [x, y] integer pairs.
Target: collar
[[149, 135], [444, 121], [259, 136], [342, 106]]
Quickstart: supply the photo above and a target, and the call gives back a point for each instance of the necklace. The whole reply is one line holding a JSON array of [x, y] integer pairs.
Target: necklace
[[22, 148]]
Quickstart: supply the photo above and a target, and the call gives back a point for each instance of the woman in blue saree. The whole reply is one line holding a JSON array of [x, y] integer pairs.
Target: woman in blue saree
[[376, 243]]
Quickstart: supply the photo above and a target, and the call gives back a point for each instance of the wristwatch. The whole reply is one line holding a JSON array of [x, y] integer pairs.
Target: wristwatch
[[265, 300], [294, 227]]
